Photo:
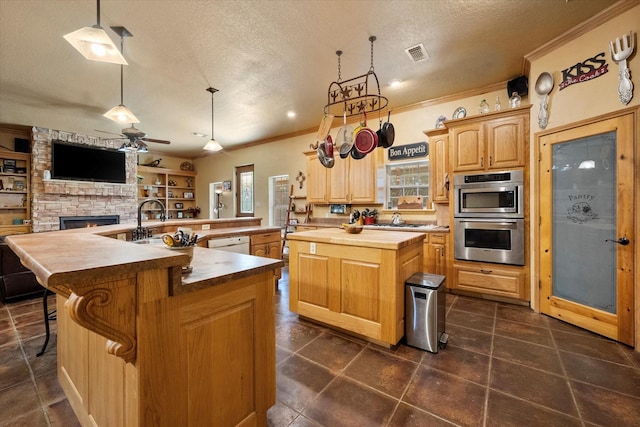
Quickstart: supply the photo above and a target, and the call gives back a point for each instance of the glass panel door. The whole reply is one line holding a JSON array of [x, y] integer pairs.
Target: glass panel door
[[584, 221]]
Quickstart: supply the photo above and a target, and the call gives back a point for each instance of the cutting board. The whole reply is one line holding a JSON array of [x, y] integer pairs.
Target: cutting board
[[410, 202]]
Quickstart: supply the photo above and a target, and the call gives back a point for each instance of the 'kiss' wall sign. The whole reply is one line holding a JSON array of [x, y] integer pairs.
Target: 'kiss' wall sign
[[586, 70]]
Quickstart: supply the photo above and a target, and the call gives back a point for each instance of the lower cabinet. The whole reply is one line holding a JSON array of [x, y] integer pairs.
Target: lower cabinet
[[435, 253], [268, 246], [490, 279]]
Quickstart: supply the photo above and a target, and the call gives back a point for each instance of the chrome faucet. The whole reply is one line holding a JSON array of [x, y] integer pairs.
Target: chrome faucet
[[140, 232]]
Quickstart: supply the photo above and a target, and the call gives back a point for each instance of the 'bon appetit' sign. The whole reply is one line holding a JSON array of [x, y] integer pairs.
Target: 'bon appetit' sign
[[409, 151]]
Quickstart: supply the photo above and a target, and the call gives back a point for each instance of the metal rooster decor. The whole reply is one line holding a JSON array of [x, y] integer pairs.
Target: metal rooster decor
[[619, 53]]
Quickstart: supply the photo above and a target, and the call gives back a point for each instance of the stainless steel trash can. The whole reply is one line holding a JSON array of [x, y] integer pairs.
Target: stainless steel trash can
[[425, 311]]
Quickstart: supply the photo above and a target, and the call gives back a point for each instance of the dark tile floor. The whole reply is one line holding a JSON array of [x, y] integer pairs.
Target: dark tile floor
[[504, 366]]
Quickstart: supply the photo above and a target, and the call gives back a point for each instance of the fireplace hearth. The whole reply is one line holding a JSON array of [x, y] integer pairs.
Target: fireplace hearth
[[67, 222]]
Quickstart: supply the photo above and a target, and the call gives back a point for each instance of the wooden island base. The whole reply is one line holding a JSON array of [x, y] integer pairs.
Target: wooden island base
[[203, 358], [354, 282]]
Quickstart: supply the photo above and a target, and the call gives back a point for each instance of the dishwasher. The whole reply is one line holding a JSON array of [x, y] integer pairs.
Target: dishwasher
[[238, 244]]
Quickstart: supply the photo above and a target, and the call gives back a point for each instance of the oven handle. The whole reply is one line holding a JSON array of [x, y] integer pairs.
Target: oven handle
[[499, 222]]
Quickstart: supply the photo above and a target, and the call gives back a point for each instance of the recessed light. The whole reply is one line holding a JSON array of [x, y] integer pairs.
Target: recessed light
[[201, 135], [291, 114], [395, 82]]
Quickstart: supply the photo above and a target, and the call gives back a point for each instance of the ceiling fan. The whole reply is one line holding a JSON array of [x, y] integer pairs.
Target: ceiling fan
[[135, 135]]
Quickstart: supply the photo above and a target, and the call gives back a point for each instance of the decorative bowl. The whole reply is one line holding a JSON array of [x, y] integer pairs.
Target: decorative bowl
[[353, 228]]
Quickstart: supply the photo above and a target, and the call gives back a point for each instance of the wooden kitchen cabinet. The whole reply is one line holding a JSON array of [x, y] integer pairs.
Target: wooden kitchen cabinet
[[435, 253], [439, 162], [316, 180], [348, 181], [267, 245], [493, 141], [490, 279]]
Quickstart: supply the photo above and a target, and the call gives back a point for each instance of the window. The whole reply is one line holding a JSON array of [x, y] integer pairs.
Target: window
[[244, 191], [408, 183]]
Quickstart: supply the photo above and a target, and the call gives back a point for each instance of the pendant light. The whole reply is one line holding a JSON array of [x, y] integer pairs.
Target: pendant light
[[212, 145], [94, 43], [120, 113]]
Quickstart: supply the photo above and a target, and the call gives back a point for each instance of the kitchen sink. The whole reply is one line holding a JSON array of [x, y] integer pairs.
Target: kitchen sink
[[149, 241]]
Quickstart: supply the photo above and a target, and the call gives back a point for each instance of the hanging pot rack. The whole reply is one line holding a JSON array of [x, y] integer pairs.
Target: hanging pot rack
[[357, 95]]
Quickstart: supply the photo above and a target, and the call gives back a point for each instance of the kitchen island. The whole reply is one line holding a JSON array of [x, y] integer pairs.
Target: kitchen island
[[141, 345], [354, 282]]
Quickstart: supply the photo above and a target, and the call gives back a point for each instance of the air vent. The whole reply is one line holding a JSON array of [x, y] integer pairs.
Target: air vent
[[417, 53]]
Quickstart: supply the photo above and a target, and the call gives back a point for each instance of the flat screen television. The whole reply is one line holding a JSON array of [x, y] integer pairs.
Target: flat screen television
[[83, 162]]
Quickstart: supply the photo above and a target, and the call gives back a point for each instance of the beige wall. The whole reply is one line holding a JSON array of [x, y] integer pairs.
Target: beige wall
[[285, 157]]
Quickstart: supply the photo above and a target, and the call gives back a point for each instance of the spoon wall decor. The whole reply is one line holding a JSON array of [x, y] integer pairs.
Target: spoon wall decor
[[544, 84], [619, 53]]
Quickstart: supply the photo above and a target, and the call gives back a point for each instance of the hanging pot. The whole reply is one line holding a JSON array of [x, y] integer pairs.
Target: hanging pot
[[355, 153], [366, 140], [326, 161], [344, 138], [387, 134]]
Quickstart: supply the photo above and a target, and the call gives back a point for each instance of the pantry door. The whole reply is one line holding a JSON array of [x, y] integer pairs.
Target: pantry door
[[586, 226]]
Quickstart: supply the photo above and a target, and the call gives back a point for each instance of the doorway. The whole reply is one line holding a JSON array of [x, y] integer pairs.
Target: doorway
[[586, 226], [278, 200]]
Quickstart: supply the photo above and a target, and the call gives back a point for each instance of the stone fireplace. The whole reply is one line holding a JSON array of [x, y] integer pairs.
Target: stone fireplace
[[52, 199]]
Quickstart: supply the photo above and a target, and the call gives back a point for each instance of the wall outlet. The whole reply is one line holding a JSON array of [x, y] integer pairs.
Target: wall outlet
[[206, 226], [122, 236], [312, 248]]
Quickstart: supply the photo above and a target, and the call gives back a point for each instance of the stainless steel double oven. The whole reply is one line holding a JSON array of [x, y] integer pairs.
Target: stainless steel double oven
[[489, 217]]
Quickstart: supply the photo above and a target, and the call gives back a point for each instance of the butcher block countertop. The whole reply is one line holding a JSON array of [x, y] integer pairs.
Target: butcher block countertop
[[61, 258], [366, 238]]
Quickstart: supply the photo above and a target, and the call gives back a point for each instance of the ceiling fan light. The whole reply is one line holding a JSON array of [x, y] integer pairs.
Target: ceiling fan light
[[121, 114], [94, 44], [213, 145], [141, 147], [127, 146]]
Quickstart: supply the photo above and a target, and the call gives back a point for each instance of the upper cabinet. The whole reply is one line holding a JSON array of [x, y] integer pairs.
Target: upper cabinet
[[493, 141], [348, 181], [439, 159]]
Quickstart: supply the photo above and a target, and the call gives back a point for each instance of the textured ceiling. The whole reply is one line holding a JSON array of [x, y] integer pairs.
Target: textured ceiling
[[266, 57]]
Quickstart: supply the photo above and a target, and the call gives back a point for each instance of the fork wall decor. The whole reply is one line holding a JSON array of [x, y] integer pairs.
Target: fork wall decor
[[622, 50]]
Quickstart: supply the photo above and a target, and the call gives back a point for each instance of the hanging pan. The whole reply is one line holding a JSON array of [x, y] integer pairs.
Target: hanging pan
[[326, 161], [344, 138], [365, 140], [386, 134]]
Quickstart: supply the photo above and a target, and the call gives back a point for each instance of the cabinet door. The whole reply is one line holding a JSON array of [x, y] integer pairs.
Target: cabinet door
[[505, 143], [273, 250], [259, 250], [439, 160], [339, 181], [467, 147], [362, 179], [316, 180]]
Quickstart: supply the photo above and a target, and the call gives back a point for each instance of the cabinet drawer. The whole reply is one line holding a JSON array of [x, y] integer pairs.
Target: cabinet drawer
[[494, 281], [258, 239], [437, 238], [305, 228]]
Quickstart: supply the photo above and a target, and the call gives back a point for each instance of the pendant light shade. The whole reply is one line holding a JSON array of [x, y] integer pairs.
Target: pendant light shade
[[94, 43], [120, 113], [212, 145]]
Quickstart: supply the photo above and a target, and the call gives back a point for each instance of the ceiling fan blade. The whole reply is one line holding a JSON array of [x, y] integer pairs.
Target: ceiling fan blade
[[158, 141], [110, 133]]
